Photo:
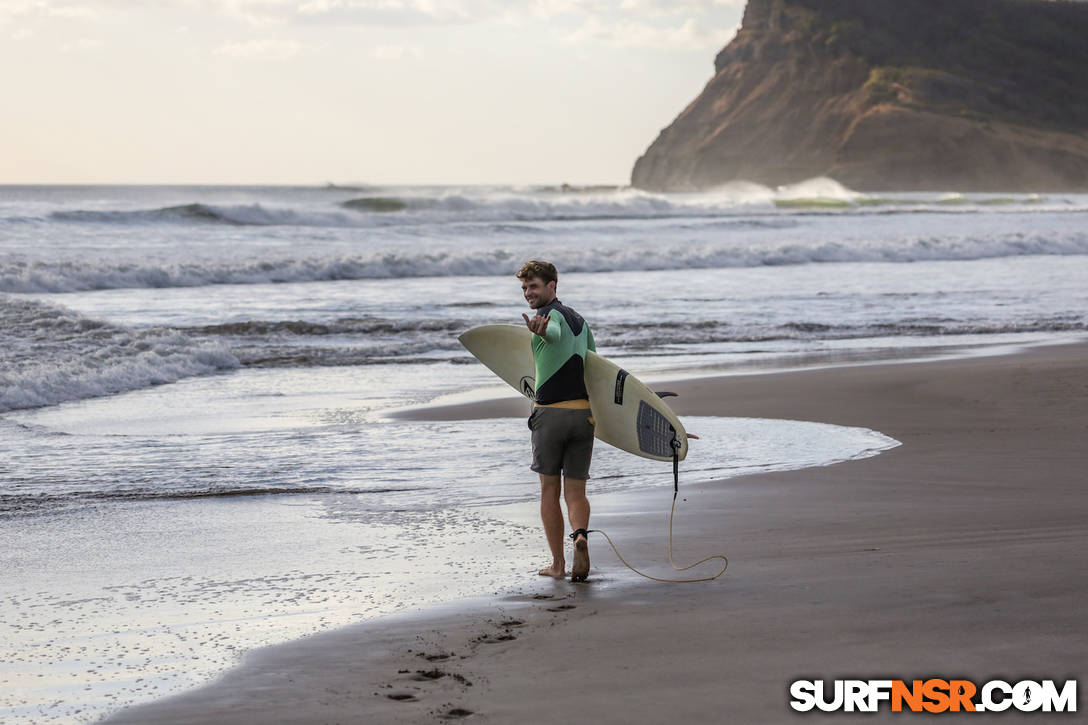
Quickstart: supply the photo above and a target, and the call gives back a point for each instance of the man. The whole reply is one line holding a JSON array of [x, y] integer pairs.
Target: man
[[561, 423]]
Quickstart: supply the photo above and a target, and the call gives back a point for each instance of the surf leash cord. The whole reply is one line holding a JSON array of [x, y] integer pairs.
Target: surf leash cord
[[672, 513]]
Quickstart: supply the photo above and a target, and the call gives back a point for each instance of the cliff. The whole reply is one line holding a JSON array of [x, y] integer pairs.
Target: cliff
[[892, 95]]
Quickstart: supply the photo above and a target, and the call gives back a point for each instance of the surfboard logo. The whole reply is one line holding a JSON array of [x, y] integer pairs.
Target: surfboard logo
[[528, 387], [621, 378]]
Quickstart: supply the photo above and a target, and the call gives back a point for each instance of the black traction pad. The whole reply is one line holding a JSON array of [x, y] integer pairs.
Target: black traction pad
[[655, 432]]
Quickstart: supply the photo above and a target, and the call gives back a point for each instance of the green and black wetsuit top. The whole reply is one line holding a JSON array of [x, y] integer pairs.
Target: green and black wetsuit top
[[560, 355]]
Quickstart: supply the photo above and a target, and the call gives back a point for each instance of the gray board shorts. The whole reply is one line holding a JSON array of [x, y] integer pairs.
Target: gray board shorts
[[562, 441]]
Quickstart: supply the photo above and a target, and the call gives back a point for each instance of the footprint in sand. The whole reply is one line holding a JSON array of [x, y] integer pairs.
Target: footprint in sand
[[435, 658], [435, 674], [402, 697], [461, 678], [561, 608], [493, 638], [457, 712]]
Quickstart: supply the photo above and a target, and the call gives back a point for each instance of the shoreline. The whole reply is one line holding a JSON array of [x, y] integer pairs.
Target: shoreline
[[961, 552], [498, 405]]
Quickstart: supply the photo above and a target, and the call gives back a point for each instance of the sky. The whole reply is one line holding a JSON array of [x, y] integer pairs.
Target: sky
[[346, 91]]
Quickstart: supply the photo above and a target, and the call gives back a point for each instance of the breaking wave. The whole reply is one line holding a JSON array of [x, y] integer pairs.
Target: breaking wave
[[342, 326], [50, 355], [655, 336], [49, 276], [236, 215], [415, 205]]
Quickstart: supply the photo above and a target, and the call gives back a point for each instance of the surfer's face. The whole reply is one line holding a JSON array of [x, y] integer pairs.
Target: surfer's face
[[537, 294]]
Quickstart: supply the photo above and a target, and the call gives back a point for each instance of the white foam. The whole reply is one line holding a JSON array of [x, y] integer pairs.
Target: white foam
[[47, 276], [411, 205], [196, 213], [51, 355], [818, 188]]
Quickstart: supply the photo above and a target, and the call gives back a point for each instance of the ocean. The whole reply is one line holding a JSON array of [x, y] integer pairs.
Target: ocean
[[197, 386]]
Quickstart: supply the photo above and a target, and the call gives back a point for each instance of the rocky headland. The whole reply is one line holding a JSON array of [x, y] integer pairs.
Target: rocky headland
[[889, 95]]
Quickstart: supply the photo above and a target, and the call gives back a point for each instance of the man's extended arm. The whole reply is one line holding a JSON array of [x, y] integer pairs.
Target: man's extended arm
[[539, 326]]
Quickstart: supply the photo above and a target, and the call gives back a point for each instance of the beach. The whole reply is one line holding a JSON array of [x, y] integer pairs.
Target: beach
[[961, 553], [254, 469], [234, 417]]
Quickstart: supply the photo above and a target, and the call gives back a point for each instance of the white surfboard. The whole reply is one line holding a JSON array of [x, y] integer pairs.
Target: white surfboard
[[628, 414]]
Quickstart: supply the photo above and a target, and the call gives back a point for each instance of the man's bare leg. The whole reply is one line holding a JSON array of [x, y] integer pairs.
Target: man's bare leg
[[574, 492], [551, 515]]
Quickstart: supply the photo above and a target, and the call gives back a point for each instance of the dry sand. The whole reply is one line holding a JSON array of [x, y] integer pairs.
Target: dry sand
[[961, 553]]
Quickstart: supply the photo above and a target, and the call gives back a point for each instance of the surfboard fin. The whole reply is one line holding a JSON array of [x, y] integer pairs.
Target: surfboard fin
[[692, 435], [665, 394]]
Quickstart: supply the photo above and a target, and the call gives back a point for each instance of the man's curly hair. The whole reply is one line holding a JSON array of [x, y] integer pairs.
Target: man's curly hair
[[544, 271]]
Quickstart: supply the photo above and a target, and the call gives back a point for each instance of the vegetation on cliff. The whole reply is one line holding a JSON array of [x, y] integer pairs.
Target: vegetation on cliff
[[1006, 60], [987, 94]]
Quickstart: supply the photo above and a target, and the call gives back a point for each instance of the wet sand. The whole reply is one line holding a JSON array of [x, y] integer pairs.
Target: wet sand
[[962, 553]]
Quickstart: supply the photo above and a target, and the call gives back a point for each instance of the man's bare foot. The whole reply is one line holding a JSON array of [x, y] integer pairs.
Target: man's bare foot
[[555, 571], [580, 570]]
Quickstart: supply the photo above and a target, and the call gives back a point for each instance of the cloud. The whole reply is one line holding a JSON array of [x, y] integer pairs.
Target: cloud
[[385, 13], [266, 49], [691, 35], [554, 8], [352, 12], [254, 12], [657, 8], [396, 52], [650, 23], [75, 12], [32, 10], [84, 45]]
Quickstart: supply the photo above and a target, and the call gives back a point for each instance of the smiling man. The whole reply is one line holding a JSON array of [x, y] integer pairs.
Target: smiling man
[[561, 422]]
